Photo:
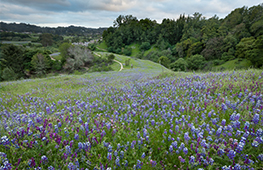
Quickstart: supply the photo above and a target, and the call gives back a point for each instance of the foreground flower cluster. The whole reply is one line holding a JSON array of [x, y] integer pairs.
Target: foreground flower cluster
[[134, 121]]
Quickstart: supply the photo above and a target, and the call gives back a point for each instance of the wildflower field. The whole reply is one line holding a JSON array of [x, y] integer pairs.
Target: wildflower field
[[133, 119]]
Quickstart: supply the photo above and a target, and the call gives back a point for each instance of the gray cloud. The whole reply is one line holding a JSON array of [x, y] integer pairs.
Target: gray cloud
[[102, 13]]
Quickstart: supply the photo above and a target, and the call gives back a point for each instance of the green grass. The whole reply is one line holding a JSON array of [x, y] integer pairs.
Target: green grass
[[142, 65], [234, 64], [57, 57], [150, 50], [102, 46], [135, 49]]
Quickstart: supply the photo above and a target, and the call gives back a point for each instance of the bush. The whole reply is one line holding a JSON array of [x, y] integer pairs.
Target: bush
[[111, 57], [164, 61], [139, 55], [127, 51], [218, 62], [127, 62], [226, 56], [179, 65], [145, 46], [76, 72], [196, 62], [8, 74], [56, 65]]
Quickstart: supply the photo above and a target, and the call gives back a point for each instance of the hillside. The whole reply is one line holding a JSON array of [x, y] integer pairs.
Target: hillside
[[133, 118], [191, 42]]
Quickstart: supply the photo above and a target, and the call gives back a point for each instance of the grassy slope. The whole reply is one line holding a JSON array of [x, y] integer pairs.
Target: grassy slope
[[233, 64], [145, 65]]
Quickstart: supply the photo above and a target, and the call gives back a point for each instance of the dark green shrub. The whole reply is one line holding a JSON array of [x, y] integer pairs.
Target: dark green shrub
[[145, 46], [179, 65], [8, 74]]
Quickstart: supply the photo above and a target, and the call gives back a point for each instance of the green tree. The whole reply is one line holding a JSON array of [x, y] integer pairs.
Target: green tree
[[111, 57], [40, 63], [213, 49], [8, 74], [164, 61], [145, 46], [196, 62], [257, 28], [251, 49], [246, 44], [46, 39], [79, 58], [63, 49], [179, 65], [13, 58]]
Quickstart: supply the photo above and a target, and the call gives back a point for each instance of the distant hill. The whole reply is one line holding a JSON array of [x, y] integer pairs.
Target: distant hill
[[71, 30]]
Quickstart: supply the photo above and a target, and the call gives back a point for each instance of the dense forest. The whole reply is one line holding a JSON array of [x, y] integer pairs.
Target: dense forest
[[192, 42], [71, 30]]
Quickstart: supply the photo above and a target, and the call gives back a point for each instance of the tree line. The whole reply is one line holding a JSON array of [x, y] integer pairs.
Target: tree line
[[192, 39], [70, 30]]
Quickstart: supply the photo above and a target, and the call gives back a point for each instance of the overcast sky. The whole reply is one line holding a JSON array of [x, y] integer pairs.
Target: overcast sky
[[102, 13]]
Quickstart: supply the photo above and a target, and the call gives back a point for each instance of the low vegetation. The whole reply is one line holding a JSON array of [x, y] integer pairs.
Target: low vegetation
[[182, 120]]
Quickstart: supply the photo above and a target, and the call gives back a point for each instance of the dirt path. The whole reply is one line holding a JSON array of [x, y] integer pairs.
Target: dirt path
[[120, 64], [113, 60]]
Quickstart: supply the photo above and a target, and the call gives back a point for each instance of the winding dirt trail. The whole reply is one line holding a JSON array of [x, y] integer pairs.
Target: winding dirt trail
[[120, 64], [113, 60]]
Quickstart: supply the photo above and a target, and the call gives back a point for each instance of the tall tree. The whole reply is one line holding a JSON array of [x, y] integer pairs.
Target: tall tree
[[46, 39], [13, 58], [40, 63]]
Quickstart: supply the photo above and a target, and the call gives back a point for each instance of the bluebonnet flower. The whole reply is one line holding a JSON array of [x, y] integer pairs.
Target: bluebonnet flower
[[109, 156], [31, 162], [176, 128], [181, 159], [219, 131], [260, 157], [143, 155], [181, 146], [240, 146], [109, 148], [186, 136], [226, 167], [231, 154], [259, 132], [115, 153], [211, 161], [121, 154], [44, 159], [255, 143], [117, 161], [139, 164], [171, 148], [185, 150], [223, 123], [246, 126], [5, 140], [80, 145], [237, 167], [192, 160], [174, 144], [68, 150], [51, 168], [71, 166], [220, 152], [153, 163], [256, 118], [76, 136]]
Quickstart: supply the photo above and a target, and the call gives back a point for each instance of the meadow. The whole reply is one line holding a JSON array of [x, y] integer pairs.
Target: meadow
[[141, 118]]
